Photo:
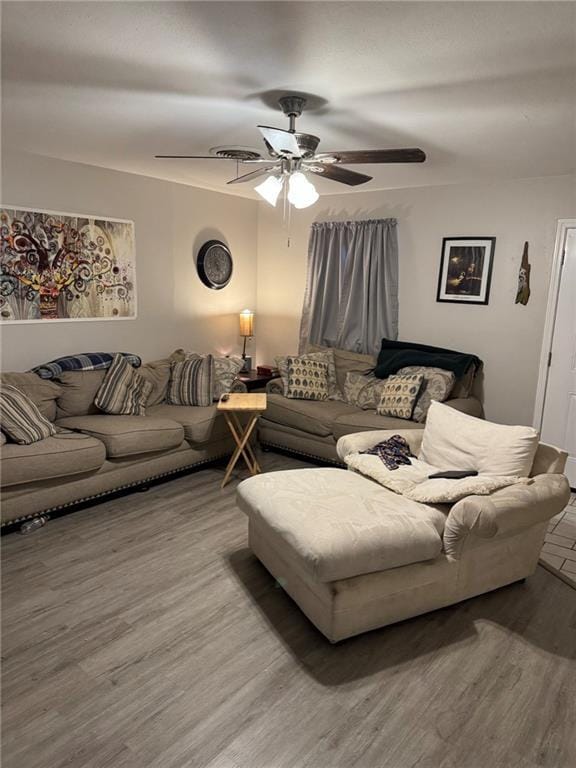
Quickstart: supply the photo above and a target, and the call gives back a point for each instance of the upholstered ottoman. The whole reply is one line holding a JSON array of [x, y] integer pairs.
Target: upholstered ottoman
[[344, 548], [355, 556]]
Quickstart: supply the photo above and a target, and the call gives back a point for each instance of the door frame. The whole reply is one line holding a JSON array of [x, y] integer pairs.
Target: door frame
[[550, 320]]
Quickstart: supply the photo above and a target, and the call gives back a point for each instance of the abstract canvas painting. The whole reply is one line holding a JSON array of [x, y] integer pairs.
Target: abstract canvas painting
[[61, 266]]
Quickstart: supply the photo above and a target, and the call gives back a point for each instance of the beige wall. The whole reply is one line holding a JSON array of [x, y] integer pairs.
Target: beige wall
[[171, 222], [175, 309], [506, 336]]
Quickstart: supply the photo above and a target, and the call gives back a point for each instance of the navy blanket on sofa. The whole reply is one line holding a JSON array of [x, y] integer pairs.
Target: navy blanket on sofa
[[394, 355]]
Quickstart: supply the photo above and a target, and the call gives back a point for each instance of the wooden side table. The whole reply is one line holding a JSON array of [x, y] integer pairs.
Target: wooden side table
[[238, 403], [254, 381]]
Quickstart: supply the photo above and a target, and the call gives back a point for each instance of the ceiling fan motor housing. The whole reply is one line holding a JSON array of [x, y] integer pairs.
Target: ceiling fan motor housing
[[292, 106], [307, 143]]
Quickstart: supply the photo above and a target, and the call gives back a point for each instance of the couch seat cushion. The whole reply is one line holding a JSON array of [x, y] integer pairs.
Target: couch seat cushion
[[128, 435], [339, 524], [312, 416], [201, 424], [59, 456], [361, 421]]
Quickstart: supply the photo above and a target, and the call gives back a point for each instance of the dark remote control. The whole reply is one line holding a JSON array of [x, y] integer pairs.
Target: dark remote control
[[454, 474]]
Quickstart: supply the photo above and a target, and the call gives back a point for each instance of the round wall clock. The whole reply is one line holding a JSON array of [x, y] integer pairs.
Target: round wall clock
[[214, 264]]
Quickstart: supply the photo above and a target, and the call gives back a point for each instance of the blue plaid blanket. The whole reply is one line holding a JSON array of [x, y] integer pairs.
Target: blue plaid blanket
[[89, 361]]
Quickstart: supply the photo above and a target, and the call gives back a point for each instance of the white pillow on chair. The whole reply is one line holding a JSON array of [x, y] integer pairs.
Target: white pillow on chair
[[454, 440]]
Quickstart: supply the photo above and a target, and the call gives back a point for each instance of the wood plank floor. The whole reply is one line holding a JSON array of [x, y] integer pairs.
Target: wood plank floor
[[142, 632]]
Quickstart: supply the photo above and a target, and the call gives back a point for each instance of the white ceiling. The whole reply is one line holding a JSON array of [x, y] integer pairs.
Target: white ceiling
[[486, 89]]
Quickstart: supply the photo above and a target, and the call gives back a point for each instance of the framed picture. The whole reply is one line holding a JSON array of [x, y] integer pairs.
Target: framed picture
[[58, 267], [466, 270]]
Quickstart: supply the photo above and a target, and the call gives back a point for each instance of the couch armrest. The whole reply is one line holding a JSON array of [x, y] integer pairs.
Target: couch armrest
[[507, 510], [361, 441], [275, 387], [238, 386], [470, 405]]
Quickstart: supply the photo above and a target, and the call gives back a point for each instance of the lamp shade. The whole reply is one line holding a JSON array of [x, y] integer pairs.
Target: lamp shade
[[301, 192], [270, 189], [246, 323]]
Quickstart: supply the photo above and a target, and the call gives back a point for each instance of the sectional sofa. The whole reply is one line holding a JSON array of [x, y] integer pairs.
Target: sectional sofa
[[95, 454], [313, 428]]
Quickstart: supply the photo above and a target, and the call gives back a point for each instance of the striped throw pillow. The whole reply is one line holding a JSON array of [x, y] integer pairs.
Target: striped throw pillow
[[20, 418], [123, 391], [192, 382]]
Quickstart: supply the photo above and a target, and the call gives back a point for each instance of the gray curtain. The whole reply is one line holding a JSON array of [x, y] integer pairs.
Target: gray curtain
[[351, 297]]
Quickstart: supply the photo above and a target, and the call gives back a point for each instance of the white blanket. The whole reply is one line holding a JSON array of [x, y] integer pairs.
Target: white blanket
[[412, 480]]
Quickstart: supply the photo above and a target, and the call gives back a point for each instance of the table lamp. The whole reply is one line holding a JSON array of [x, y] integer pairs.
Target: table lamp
[[247, 331]]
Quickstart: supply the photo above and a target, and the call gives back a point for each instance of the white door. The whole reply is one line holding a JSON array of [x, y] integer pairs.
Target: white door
[[559, 415]]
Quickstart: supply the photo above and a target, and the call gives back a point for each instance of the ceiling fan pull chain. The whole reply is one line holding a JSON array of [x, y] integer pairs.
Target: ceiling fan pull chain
[[286, 214]]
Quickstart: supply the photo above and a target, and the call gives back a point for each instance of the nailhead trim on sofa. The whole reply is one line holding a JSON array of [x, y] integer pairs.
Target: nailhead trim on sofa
[[112, 491]]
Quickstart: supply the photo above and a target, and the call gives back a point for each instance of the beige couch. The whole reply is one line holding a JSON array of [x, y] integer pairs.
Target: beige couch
[[312, 428], [355, 556], [95, 454]]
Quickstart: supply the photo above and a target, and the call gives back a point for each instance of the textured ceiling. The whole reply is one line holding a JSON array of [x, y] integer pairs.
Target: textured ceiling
[[486, 89]]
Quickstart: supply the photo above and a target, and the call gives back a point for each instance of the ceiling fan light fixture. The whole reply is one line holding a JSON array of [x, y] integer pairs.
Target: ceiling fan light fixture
[[301, 192], [270, 189]]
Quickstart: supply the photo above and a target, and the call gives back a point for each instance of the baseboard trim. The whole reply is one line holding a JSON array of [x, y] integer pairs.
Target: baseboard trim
[[559, 574]]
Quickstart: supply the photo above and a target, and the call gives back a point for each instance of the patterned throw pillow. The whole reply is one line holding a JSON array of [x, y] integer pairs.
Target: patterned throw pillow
[[123, 391], [226, 369], [399, 396], [363, 391], [192, 382], [20, 418], [307, 379], [437, 385], [326, 357]]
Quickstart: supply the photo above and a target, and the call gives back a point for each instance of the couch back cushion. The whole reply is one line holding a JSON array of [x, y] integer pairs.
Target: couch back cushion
[[463, 386], [42, 393], [363, 391], [454, 440], [345, 362], [78, 390], [158, 374]]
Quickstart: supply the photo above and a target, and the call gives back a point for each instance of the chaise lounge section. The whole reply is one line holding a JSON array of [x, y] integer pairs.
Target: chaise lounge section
[[355, 556]]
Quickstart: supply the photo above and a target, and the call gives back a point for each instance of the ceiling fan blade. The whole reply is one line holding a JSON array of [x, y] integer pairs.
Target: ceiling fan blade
[[354, 157], [252, 175], [192, 157], [343, 175], [282, 142]]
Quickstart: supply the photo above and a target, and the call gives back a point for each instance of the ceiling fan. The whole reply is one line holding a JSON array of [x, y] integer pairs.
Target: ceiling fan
[[291, 154]]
